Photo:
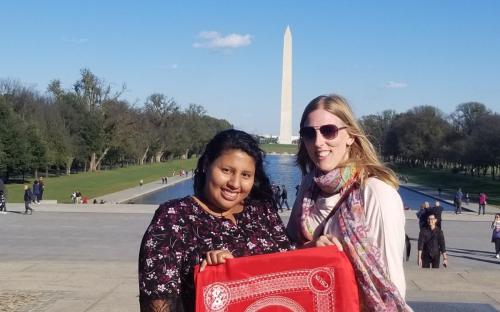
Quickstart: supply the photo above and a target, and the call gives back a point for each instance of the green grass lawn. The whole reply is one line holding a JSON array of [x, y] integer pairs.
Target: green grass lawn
[[280, 148], [95, 184], [450, 182]]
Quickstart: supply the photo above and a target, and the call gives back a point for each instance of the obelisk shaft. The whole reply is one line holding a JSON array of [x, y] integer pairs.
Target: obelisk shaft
[[286, 91]]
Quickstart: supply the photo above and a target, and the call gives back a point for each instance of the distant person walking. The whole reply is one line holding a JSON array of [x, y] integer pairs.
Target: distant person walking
[[276, 195], [284, 198], [3, 200], [3, 203], [407, 247], [41, 182], [482, 203], [458, 201], [495, 236], [28, 198], [36, 191], [422, 214], [431, 245], [437, 210]]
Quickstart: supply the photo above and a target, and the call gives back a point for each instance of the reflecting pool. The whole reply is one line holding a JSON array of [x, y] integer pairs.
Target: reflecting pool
[[282, 171]]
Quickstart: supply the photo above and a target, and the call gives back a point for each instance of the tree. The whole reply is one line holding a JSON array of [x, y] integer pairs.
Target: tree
[[22, 148], [162, 113], [89, 125], [65, 126], [417, 135], [124, 132], [466, 115], [482, 147], [377, 128], [93, 92]]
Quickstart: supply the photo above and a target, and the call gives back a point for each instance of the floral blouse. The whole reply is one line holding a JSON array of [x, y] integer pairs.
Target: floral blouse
[[181, 233]]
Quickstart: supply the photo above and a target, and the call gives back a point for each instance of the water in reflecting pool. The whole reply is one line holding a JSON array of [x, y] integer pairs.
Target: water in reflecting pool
[[281, 170]]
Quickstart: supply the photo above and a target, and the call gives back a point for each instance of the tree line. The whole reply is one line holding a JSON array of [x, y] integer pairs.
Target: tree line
[[467, 140], [90, 126]]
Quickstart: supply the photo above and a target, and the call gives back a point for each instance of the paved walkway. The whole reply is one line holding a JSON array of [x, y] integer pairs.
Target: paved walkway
[[129, 194], [84, 258]]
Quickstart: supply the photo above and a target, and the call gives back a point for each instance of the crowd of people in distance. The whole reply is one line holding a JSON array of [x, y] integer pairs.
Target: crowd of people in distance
[[431, 241], [33, 194], [77, 198], [459, 198]]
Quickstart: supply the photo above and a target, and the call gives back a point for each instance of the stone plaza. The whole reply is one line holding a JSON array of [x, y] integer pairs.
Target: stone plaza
[[69, 257]]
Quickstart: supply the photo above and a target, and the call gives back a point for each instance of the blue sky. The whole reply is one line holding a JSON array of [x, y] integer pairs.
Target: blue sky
[[227, 55]]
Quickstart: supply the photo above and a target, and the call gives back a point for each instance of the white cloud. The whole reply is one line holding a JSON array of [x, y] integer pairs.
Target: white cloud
[[173, 66], [216, 41], [396, 85], [74, 40]]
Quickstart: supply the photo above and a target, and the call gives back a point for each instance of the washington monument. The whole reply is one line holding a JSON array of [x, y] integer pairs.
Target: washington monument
[[286, 91]]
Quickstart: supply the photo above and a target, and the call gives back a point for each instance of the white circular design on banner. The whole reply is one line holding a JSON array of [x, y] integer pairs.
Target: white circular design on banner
[[216, 297], [273, 302], [320, 281]]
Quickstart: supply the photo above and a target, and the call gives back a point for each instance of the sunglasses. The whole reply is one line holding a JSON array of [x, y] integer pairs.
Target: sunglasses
[[329, 132]]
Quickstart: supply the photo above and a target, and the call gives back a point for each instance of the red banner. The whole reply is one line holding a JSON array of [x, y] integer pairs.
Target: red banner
[[312, 279]]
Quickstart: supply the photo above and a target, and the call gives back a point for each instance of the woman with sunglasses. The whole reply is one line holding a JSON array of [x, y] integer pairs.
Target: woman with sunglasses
[[347, 194]]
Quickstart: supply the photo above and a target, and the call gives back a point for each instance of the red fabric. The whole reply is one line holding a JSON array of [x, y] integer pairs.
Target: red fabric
[[312, 279]]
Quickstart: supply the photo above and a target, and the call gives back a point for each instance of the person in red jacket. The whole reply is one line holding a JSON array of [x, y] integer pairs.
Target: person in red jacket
[[482, 203]]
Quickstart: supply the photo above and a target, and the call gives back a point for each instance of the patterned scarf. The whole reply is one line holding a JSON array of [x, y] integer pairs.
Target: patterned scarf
[[377, 292]]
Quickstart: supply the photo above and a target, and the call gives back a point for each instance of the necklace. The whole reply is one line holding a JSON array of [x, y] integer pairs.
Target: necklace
[[218, 214]]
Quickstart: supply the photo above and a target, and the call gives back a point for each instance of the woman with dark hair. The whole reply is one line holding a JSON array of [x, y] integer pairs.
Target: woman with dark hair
[[230, 215]]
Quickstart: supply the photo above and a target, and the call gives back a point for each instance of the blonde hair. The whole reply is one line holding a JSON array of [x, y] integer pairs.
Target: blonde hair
[[361, 151]]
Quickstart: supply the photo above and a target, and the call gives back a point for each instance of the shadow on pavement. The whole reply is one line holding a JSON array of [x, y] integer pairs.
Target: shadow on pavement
[[451, 307], [472, 251], [12, 211], [476, 255]]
